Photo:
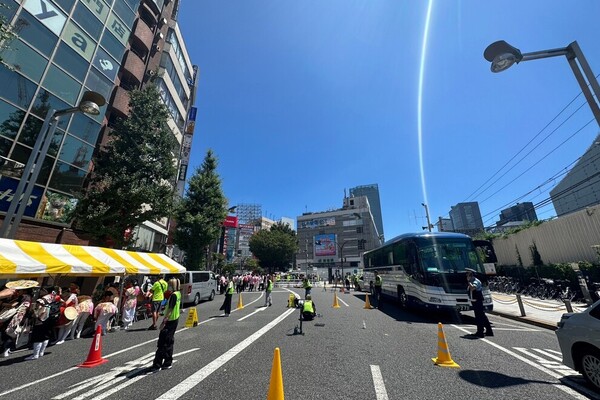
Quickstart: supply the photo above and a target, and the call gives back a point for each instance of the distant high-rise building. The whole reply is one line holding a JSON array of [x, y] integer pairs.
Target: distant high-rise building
[[445, 225], [580, 188], [519, 212], [372, 193], [466, 217]]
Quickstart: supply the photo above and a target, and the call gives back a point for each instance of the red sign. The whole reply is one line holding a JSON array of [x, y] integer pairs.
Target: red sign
[[231, 222]]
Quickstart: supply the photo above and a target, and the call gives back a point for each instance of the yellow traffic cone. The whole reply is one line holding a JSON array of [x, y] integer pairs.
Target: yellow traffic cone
[[335, 301], [276, 383], [367, 302], [240, 303], [443, 359]]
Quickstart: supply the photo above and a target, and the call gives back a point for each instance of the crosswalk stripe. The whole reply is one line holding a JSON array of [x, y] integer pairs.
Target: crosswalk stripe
[[548, 354]]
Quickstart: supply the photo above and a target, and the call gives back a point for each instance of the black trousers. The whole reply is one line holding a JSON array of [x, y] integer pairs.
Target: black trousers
[[166, 339], [378, 296], [481, 319], [227, 303]]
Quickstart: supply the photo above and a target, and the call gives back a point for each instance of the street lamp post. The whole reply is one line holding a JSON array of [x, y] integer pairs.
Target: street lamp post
[[502, 56], [429, 226], [90, 104]]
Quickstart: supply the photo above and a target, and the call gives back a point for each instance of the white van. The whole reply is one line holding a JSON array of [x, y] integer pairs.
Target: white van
[[196, 286]]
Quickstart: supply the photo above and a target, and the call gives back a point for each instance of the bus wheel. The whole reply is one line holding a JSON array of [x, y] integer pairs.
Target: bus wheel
[[402, 298]]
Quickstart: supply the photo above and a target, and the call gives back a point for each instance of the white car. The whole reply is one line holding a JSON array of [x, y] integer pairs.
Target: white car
[[579, 339]]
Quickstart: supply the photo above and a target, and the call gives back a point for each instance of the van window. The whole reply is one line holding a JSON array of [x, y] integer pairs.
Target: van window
[[183, 278], [201, 277]]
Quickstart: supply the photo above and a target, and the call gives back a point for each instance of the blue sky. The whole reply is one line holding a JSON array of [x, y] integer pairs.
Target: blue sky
[[302, 99]]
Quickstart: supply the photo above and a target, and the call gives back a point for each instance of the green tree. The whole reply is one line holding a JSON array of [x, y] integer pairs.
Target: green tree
[[275, 248], [6, 32], [201, 213], [133, 175]]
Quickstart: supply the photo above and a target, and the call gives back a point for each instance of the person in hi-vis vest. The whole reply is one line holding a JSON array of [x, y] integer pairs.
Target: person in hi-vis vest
[[309, 310], [166, 338]]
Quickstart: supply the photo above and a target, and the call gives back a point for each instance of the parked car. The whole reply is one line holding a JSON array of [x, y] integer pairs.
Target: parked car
[[196, 286], [579, 339]]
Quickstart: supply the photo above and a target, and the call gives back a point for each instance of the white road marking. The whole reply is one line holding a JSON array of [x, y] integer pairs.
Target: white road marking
[[555, 365], [548, 354], [186, 385], [252, 313], [553, 374], [555, 352], [343, 302], [66, 371], [133, 380], [380, 392]]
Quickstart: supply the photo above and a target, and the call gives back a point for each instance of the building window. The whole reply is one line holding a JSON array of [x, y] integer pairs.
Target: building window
[[359, 229], [361, 244]]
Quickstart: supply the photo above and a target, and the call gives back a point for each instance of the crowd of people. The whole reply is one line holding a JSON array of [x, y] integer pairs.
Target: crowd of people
[[37, 317]]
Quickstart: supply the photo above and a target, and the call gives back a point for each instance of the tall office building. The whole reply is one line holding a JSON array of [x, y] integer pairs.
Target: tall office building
[[62, 49], [372, 193], [519, 212], [580, 188], [466, 218], [330, 240]]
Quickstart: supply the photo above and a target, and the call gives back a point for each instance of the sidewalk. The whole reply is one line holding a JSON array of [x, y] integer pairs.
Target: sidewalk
[[543, 313]]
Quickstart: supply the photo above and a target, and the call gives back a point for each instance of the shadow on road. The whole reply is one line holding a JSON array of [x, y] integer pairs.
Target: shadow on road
[[495, 380], [392, 309]]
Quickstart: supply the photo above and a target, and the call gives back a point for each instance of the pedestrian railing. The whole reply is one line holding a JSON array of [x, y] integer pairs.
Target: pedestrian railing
[[507, 299]]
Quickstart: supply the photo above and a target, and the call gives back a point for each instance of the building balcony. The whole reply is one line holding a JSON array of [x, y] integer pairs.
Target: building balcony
[[134, 68], [120, 102], [149, 7], [142, 35]]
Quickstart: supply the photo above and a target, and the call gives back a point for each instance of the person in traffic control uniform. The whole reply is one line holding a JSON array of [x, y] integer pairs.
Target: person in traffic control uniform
[[309, 310]]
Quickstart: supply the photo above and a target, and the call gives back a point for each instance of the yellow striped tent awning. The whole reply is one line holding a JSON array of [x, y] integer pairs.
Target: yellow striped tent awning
[[19, 258]]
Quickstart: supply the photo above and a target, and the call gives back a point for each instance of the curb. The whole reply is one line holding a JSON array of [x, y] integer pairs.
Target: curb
[[527, 320]]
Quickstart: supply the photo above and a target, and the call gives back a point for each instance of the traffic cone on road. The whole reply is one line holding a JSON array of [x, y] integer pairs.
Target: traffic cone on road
[[335, 301], [443, 359], [240, 302], [94, 357], [276, 383], [367, 302], [291, 300]]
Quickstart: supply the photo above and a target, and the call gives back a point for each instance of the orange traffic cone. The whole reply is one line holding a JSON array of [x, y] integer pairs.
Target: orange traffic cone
[[94, 357], [367, 302], [335, 301], [240, 303], [443, 359], [276, 383]]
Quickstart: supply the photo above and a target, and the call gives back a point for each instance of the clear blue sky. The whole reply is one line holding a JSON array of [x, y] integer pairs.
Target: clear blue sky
[[302, 99]]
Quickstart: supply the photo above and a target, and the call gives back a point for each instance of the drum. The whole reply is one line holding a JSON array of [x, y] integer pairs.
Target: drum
[[71, 313]]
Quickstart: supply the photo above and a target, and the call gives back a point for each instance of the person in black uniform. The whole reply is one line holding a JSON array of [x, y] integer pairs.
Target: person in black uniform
[[475, 288]]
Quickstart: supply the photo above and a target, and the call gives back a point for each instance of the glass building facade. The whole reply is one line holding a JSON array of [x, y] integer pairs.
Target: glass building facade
[[62, 49]]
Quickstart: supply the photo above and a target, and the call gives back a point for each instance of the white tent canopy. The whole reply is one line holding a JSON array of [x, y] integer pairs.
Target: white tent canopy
[[21, 258]]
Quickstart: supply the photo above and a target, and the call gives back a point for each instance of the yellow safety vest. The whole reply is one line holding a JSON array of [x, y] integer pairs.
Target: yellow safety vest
[[308, 307]]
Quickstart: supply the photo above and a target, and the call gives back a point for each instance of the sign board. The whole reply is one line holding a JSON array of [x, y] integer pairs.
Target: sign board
[[47, 13]]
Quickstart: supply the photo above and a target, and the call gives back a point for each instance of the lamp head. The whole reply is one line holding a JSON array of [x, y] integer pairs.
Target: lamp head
[[91, 102], [502, 55]]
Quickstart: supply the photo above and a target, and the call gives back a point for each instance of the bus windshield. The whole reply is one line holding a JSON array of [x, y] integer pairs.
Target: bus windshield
[[449, 257]]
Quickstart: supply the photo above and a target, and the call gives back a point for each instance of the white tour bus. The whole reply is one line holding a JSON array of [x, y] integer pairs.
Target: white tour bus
[[427, 270]]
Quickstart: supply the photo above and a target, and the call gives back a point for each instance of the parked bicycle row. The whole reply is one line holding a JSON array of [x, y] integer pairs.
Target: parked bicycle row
[[542, 288]]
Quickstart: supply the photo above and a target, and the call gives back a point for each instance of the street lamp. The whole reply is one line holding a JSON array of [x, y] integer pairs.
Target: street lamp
[[90, 104], [429, 226], [502, 56]]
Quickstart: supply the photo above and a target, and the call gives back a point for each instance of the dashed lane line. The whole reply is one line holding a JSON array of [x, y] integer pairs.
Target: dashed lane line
[[380, 392]]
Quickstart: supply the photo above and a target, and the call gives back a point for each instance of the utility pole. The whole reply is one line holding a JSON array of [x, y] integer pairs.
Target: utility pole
[[428, 227]]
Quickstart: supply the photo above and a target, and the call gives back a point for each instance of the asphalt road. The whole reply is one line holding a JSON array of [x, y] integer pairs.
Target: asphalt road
[[348, 352]]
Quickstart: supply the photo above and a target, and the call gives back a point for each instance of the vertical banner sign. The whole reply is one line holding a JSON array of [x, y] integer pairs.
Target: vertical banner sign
[[186, 145]]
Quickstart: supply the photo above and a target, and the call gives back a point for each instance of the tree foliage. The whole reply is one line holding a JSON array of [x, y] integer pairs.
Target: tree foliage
[[6, 32], [275, 248], [133, 175], [201, 213]]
